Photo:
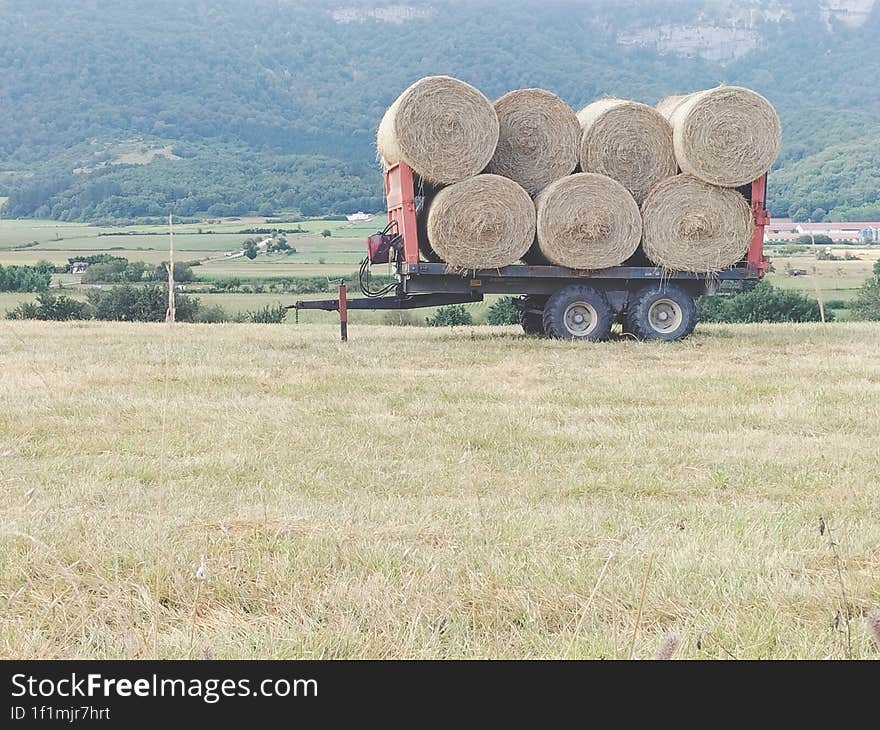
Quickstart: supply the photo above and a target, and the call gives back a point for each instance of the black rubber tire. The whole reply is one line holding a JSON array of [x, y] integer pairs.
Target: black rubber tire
[[638, 315], [557, 305], [531, 321], [428, 253]]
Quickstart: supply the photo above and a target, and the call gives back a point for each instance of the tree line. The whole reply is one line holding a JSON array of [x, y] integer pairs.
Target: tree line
[[128, 303]]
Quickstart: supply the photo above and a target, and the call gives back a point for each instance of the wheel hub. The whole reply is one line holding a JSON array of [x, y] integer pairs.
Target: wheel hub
[[580, 319], [665, 315]]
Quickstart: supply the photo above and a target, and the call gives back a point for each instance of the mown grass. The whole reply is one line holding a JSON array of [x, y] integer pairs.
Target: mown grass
[[436, 493]]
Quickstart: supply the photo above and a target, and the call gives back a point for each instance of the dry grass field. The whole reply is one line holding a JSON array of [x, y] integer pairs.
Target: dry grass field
[[436, 493]]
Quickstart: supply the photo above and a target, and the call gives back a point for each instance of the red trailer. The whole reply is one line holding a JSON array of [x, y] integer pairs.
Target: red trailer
[[651, 302]]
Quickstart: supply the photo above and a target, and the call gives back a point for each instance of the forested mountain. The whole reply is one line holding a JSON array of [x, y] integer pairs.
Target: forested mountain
[[117, 109]]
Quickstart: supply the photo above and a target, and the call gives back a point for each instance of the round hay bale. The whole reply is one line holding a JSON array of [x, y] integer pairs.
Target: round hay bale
[[690, 225], [484, 222], [667, 106], [627, 141], [587, 221], [443, 128], [538, 139], [727, 136]]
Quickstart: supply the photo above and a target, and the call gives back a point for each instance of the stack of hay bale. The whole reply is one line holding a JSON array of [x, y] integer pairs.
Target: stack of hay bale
[[526, 177]]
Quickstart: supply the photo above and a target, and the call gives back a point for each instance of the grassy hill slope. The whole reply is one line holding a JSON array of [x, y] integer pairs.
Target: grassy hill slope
[[272, 105]]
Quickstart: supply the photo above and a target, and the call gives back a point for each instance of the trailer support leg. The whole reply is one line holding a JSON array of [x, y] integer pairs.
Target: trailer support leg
[[343, 312]]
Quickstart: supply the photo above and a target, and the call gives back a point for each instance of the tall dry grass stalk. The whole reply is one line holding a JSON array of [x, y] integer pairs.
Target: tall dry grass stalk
[[589, 602], [201, 575], [632, 643], [839, 568]]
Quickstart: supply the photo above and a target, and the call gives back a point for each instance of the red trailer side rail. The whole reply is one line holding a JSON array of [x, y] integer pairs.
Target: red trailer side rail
[[400, 198], [755, 257]]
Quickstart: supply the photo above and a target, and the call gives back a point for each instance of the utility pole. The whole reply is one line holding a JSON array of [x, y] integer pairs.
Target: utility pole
[[170, 314]]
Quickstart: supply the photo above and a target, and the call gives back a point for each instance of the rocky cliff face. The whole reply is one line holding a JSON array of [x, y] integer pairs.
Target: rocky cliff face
[[717, 30], [724, 31], [851, 13]]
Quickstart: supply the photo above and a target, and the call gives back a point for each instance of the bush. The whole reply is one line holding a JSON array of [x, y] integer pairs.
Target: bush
[[817, 239], [503, 311], [183, 273], [141, 304], [866, 305], [765, 303], [117, 271], [26, 278], [454, 315], [98, 258], [213, 314], [51, 307], [270, 314], [227, 283], [789, 249], [326, 233]]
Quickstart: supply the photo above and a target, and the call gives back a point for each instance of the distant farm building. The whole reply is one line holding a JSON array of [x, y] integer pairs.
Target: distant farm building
[[359, 216], [786, 231]]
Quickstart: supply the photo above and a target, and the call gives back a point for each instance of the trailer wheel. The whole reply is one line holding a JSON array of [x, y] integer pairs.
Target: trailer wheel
[[661, 312], [578, 312], [530, 312]]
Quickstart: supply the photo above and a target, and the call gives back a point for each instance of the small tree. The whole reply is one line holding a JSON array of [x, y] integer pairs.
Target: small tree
[[326, 233], [50, 307], [183, 272], [503, 311], [819, 238], [212, 314], [250, 249], [26, 278], [454, 315], [866, 305]]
